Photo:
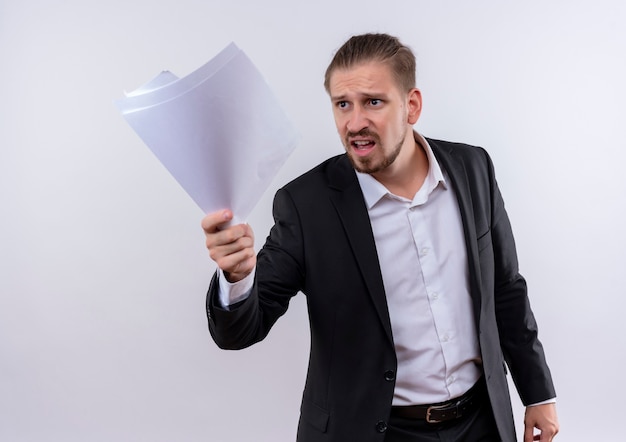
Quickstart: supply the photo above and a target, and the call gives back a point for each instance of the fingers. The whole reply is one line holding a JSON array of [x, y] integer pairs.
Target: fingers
[[543, 418], [213, 221], [231, 247], [241, 269], [230, 239], [528, 434]]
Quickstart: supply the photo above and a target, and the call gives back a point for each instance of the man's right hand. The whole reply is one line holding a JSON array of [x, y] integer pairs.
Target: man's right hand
[[232, 247]]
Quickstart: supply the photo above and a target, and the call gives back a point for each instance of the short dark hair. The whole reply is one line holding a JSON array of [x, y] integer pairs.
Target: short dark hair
[[375, 47]]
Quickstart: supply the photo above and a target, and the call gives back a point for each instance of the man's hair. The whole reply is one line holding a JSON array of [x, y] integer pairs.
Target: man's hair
[[375, 47]]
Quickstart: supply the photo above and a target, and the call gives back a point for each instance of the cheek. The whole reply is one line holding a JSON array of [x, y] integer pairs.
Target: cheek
[[401, 120]]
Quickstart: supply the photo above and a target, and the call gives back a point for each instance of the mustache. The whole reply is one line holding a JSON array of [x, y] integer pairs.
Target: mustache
[[365, 132]]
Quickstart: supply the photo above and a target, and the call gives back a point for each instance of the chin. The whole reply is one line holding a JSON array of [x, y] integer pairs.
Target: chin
[[364, 166]]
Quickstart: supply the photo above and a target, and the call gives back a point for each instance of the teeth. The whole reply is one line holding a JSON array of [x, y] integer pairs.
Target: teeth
[[361, 143]]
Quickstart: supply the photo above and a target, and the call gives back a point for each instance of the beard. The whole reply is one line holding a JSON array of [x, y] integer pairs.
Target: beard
[[371, 165]]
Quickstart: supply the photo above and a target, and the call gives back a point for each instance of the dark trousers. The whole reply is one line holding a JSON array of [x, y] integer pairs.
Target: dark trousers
[[477, 426]]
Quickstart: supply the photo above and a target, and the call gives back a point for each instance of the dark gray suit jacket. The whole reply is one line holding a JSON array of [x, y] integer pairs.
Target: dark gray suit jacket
[[322, 245]]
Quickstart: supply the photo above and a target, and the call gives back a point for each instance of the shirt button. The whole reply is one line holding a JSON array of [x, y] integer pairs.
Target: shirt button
[[425, 251], [445, 338], [390, 375], [435, 295], [381, 426]]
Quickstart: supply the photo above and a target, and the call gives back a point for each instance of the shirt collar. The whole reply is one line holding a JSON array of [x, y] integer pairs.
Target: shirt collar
[[374, 191]]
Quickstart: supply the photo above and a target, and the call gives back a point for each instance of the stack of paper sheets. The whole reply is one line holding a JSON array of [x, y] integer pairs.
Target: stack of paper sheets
[[219, 131]]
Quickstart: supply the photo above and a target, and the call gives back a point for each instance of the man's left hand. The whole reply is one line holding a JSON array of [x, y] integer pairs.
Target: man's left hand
[[543, 417]]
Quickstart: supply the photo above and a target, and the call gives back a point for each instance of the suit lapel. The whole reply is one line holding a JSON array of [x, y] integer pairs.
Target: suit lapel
[[348, 200], [460, 183], [350, 205]]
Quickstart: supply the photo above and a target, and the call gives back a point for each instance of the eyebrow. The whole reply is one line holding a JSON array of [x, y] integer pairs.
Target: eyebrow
[[362, 95]]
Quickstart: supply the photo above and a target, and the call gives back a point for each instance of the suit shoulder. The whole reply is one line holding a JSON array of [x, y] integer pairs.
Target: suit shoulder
[[453, 147], [471, 156], [320, 175]]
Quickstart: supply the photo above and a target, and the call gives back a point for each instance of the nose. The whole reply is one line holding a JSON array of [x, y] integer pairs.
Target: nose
[[357, 120]]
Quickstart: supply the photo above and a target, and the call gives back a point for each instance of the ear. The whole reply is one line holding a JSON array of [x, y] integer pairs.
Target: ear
[[414, 105]]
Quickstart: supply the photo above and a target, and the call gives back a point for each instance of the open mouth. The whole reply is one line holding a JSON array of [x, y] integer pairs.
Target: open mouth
[[362, 147]]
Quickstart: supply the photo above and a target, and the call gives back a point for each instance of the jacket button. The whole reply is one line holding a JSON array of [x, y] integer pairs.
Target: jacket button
[[390, 375], [381, 426]]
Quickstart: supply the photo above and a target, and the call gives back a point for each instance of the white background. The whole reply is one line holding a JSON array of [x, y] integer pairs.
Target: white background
[[103, 270]]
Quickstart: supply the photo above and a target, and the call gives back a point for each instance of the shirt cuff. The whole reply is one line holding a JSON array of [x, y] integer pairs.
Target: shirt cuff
[[230, 293], [548, 401]]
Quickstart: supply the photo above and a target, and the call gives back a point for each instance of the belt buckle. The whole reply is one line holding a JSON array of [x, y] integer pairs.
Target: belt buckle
[[429, 410]]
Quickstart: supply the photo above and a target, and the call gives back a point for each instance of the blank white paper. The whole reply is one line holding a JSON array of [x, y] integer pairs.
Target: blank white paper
[[219, 131]]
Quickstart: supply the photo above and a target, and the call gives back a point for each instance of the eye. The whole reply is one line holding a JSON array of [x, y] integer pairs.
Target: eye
[[342, 104], [375, 102]]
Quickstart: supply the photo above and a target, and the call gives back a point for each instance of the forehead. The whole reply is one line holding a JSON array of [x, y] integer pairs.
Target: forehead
[[364, 78]]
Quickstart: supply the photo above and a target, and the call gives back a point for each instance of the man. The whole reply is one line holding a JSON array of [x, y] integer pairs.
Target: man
[[404, 250]]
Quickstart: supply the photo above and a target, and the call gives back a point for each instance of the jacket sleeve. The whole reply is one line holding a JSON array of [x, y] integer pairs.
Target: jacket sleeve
[[279, 276], [523, 352]]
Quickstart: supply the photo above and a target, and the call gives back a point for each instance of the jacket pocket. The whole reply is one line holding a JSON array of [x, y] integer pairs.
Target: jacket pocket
[[314, 415], [484, 241]]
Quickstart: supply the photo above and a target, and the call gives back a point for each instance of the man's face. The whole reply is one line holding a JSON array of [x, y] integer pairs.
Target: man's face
[[373, 117]]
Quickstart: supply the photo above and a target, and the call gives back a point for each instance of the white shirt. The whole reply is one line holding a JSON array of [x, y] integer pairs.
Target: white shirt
[[423, 261]]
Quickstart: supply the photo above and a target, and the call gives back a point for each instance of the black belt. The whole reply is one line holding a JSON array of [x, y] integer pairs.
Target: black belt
[[444, 411]]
